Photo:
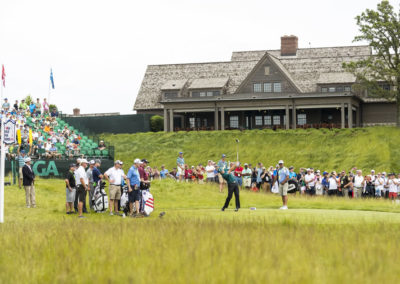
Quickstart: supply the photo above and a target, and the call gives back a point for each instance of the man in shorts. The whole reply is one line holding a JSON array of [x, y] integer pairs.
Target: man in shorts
[[114, 176], [246, 173], [70, 189], [222, 165], [283, 177]]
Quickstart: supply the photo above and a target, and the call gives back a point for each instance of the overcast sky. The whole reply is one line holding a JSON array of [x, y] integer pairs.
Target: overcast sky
[[99, 50]]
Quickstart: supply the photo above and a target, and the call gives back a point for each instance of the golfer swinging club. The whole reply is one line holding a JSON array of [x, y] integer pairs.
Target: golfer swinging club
[[232, 185]]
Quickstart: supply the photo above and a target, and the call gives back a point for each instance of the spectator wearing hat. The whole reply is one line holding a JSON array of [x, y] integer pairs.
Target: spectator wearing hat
[[23, 106], [358, 184], [238, 175], [180, 165], [70, 189], [144, 176], [6, 105], [222, 164], [333, 184], [282, 177], [134, 187], [246, 174], [392, 186], [114, 176], [97, 176], [28, 182], [45, 106], [89, 173], [82, 183], [164, 172], [38, 106], [102, 146], [21, 163]]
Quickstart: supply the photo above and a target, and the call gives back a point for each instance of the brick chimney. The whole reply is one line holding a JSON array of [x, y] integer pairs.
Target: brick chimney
[[289, 45], [76, 111]]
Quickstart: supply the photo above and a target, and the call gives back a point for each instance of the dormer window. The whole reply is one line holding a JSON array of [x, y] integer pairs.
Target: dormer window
[[257, 88], [267, 70]]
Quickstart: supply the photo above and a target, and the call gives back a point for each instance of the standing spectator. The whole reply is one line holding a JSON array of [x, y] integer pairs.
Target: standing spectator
[[144, 177], [29, 183], [23, 106], [188, 173], [114, 176], [265, 180], [164, 172], [200, 173], [45, 106], [156, 173], [82, 185], [238, 175], [16, 105], [6, 105], [309, 179], [392, 183], [358, 184], [102, 146], [379, 185], [54, 113], [232, 186], [333, 184], [210, 169], [38, 107], [319, 189], [89, 174], [259, 172], [282, 178], [180, 164], [173, 174], [222, 164], [325, 182], [21, 163], [70, 189], [134, 187], [246, 173], [32, 107], [341, 178], [97, 176]]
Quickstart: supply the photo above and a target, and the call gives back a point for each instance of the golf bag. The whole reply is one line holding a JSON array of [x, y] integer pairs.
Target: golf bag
[[100, 198], [147, 203], [293, 186], [125, 200]]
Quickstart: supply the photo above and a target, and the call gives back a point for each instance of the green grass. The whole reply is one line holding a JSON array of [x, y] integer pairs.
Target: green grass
[[318, 240], [337, 149]]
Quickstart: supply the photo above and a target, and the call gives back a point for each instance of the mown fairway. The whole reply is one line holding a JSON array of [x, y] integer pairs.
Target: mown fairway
[[317, 240]]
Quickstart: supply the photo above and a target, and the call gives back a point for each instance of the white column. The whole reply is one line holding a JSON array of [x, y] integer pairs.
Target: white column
[[171, 120], [350, 115], [343, 116], [165, 120], [222, 118]]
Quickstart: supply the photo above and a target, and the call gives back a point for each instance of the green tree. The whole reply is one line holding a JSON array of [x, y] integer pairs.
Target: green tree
[[380, 28], [28, 99], [157, 123]]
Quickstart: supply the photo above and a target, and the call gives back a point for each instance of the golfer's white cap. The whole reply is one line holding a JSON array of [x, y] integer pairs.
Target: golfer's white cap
[[137, 161], [27, 160], [308, 169], [92, 162], [280, 162], [84, 161]]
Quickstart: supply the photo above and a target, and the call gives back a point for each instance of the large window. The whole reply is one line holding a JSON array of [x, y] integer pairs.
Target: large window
[[192, 122], [267, 120], [267, 87], [259, 120], [301, 119], [332, 89], [277, 87], [347, 89], [234, 121], [277, 119], [203, 94], [324, 89], [267, 70], [170, 95], [257, 87]]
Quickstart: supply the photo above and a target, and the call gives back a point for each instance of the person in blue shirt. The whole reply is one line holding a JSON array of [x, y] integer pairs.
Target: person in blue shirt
[[97, 176], [227, 174], [292, 174], [32, 107], [282, 177], [134, 186], [164, 172], [180, 165]]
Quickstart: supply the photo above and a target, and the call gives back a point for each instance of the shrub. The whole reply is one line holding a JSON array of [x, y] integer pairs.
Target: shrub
[[157, 123]]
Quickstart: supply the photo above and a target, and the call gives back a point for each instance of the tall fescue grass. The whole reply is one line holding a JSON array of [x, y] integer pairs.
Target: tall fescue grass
[[337, 149], [197, 243]]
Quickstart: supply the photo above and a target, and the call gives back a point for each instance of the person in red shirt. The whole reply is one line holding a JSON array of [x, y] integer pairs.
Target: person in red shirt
[[188, 173], [238, 175], [200, 173]]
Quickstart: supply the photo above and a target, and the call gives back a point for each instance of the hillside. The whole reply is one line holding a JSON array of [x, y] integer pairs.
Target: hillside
[[366, 148]]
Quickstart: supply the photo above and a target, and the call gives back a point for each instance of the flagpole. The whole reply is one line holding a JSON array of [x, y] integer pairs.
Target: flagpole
[[2, 162]]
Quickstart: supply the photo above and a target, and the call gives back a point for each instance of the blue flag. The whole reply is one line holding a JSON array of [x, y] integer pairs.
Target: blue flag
[[51, 78]]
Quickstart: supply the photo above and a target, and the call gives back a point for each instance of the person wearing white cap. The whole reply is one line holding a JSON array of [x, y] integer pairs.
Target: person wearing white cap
[[134, 187], [282, 177], [82, 185], [114, 176], [28, 180], [180, 165]]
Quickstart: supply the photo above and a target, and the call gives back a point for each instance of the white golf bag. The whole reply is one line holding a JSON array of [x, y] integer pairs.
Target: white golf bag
[[100, 198], [147, 203], [124, 198]]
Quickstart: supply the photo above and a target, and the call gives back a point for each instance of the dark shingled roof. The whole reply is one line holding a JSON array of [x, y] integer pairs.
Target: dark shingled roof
[[308, 68]]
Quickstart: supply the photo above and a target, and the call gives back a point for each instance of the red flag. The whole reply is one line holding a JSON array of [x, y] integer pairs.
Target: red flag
[[3, 76]]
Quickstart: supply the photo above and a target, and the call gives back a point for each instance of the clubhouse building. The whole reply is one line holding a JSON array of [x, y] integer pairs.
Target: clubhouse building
[[288, 88]]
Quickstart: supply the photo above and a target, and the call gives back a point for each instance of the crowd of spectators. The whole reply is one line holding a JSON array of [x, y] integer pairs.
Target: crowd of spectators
[[44, 135], [307, 181]]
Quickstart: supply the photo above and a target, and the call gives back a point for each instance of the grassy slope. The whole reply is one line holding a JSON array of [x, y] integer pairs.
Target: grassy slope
[[195, 242], [338, 149]]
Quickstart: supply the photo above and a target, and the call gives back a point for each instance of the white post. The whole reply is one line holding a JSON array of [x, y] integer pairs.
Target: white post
[[2, 163]]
